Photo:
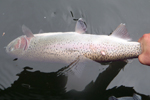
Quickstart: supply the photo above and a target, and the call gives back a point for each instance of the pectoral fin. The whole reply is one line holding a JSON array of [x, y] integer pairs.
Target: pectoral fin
[[76, 68], [27, 31], [80, 26]]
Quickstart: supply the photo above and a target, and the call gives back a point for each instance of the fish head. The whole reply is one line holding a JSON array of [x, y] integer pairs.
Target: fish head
[[17, 46]]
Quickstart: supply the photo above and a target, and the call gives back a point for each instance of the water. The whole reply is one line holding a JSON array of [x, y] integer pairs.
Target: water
[[27, 79]]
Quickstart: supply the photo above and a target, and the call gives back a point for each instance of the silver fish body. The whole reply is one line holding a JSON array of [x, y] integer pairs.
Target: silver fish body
[[67, 46]]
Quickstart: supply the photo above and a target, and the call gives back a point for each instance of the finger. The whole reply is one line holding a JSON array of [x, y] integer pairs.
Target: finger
[[143, 59], [140, 57]]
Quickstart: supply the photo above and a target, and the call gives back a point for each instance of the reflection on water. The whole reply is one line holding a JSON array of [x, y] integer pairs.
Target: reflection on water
[[39, 85]]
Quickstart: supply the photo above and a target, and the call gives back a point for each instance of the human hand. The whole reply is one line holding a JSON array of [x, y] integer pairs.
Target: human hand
[[144, 57]]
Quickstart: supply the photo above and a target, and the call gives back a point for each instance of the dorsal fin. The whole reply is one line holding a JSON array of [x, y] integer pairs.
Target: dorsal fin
[[121, 32], [80, 26], [27, 31]]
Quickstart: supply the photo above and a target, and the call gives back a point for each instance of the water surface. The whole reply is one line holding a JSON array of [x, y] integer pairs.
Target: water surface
[[27, 79]]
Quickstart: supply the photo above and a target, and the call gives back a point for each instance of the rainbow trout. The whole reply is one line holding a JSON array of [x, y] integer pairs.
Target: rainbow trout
[[67, 46]]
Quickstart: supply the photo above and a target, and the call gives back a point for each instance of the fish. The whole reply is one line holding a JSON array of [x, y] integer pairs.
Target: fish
[[66, 47]]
